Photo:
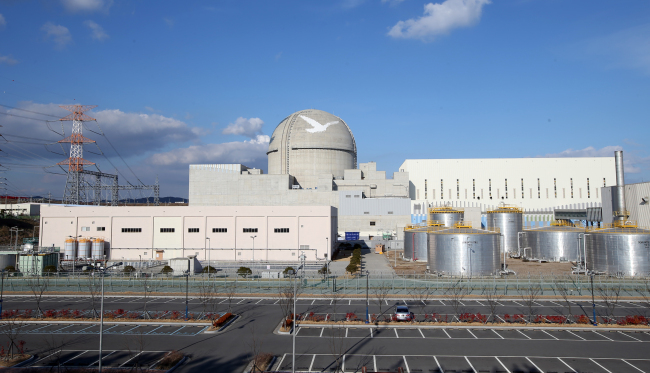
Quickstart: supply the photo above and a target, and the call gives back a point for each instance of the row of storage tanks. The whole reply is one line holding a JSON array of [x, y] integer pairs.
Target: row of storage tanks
[[84, 248], [450, 246]]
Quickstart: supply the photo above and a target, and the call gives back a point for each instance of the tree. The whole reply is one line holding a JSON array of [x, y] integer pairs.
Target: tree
[[230, 289], [380, 292], [286, 270], [128, 269], [244, 272], [529, 296], [493, 298], [11, 328], [209, 269], [207, 297], [10, 269], [421, 295], [146, 288], [324, 271], [167, 270], [287, 295], [49, 269], [644, 292], [352, 268], [609, 295], [38, 286], [455, 295], [564, 291], [94, 288]]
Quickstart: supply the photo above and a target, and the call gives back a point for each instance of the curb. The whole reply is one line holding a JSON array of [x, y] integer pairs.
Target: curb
[[119, 322], [24, 362], [414, 326], [223, 327]]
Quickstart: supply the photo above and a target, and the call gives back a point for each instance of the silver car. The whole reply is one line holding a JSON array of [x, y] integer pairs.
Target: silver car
[[402, 313]]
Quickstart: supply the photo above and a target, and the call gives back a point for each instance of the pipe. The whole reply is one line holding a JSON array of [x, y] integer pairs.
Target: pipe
[[621, 214]]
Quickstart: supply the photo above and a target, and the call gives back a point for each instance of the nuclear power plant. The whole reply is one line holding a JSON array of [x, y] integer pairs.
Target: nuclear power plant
[[459, 217]]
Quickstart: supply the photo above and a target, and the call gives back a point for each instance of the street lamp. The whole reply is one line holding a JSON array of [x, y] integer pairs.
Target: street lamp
[[2, 288], [293, 273], [209, 251], [102, 272], [367, 299], [253, 237], [187, 287]]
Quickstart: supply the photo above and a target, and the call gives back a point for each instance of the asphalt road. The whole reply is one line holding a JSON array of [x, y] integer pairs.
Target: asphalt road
[[412, 348]]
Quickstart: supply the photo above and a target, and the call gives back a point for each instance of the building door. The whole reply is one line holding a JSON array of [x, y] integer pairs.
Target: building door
[[159, 255]]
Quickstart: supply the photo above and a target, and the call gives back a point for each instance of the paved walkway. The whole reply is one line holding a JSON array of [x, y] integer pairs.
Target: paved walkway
[[375, 263]]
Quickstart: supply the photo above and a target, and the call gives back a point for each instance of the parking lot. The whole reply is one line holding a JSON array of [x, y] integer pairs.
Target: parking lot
[[449, 364], [462, 333], [90, 358], [124, 329]]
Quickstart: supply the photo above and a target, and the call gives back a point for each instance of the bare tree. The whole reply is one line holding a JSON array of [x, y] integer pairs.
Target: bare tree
[[610, 295], [55, 345], [11, 328], [421, 296], [455, 293], [38, 285], [206, 297], [493, 298], [564, 291], [334, 298], [644, 292], [338, 345], [135, 345], [260, 359], [287, 295], [529, 295], [230, 289], [94, 289], [380, 293], [145, 282]]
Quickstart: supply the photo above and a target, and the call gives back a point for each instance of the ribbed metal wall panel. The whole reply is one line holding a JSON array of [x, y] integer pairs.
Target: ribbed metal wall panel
[[449, 253], [618, 253], [553, 243], [639, 210], [416, 241], [356, 205]]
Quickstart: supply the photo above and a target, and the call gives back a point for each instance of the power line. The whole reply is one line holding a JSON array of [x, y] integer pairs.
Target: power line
[[29, 111]]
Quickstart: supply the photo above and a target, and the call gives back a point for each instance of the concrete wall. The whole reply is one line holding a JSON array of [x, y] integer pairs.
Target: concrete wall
[[16, 209], [134, 232], [634, 203]]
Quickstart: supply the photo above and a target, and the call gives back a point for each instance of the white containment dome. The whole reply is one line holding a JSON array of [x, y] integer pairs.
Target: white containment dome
[[310, 143]]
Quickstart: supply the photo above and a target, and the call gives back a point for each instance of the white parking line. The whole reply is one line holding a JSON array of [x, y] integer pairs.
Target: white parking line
[[260, 301], [346, 332], [470, 332], [312, 302], [124, 363], [495, 332], [568, 331], [536, 367], [374, 361], [557, 304], [480, 303], [97, 361], [154, 329], [463, 304], [503, 365], [343, 364], [605, 369], [396, 335], [371, 335], [573, 370], [350, 302], [593, 331], [280, 363], [523, 334], [76, 356], [470, 364], [420, 330], [437, 363], [517, 303], [57, 351], [443, 303], [312, 362], [276, 301], [241, 300], [408, 370], [627, 335], [444, 330], [552, 336], [630, 364], [321, 332]]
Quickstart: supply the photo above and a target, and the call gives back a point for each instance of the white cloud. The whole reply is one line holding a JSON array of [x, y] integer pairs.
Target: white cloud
[[245, 127], [628, 48], [3, 23], [98, 31], [57, 33], [439, 19], [251, 153], [87, 5], [9, 60], [170, 22], [630, 161]]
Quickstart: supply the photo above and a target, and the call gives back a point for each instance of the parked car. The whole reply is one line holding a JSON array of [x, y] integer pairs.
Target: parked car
[[402, 313]]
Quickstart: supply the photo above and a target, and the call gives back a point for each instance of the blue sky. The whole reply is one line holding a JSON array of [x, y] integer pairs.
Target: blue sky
[[207, 81]]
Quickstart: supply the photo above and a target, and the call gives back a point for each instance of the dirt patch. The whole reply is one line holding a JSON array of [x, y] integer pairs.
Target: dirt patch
[[535, 268], [16, 359], [401, 266]]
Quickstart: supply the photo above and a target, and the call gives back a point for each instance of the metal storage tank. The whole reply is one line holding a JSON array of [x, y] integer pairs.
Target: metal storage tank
[[509, 220], [7, 260], [446, 216], [554, 243], [98, 248], [70, 248], [83, 248], [619, 249], [415, 242], [465, 251]]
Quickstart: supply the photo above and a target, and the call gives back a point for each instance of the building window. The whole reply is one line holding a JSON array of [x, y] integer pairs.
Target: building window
[[506, 188], [131, 230], [571, 187], [303, 247], [490, 187], [473, 188], [250, 230], [192, 230], [390, 213], [85, 229], [167, 230], [604, 183], [347, 196], [366, 213], [425, 189], [101, 229], [522, 188], [372, 223], [539, 189], [588, 190], [280, 230], [457, 189], [555, 186], [356, 196], [219, 230], [442, 190]]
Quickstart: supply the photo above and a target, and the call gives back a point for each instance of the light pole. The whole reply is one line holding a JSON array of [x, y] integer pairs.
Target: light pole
[[293, 273], [187, 287], [367, 299], [101, 316], [2, 288], [253, 237], [209, 251], [593, 302], [140, 264]]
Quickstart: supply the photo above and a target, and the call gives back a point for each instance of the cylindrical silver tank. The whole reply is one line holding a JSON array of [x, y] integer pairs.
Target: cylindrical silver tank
[[509, 220], [554, 243], [446, 215], [619, 251], [7, 260], [98, 248], [415, 244], [83, 249], [464, 251], [70, 248]]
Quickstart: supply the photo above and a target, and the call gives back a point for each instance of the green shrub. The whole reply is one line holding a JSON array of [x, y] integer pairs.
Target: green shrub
[[49, 269], [286, 270], [129, 269], [352, 268], [324, 271], [166, 270], [357, 246], [244, 271], [209, 269], [10, 269], [357, 252], [356, 260]]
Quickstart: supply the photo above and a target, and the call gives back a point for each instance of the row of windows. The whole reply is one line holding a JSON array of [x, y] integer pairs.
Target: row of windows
[[194, 230], [281, 230], [131, 230], [167, 230], [87, 229]]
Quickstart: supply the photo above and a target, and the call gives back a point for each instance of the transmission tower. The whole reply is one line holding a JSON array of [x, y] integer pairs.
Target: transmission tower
[[74, 192]]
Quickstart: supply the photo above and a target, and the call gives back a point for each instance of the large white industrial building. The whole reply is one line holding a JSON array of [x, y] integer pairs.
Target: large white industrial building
[[536, 185]]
